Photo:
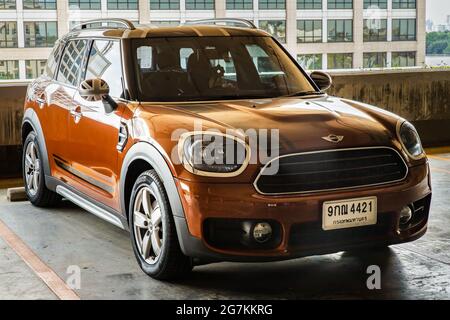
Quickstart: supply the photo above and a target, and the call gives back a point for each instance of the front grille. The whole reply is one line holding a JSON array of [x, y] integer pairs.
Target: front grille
[[333, 169]]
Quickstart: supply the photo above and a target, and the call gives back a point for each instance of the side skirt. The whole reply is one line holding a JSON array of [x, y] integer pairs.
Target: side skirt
[[89, 204]]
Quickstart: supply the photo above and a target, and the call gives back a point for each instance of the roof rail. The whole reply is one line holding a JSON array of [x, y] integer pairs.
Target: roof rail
[[231, 21], [124, 22]]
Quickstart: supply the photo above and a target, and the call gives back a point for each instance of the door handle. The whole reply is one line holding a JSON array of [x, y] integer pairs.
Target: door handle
[[76, 113]]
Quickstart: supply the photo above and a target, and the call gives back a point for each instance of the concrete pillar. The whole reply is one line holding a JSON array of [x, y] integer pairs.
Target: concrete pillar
[[291, 27], [324, 61], [19, 24], [62, 11], [144, 11], [22, 71], [421, 32], [104, 9], [389, 21], [220, 8], [358, 34]]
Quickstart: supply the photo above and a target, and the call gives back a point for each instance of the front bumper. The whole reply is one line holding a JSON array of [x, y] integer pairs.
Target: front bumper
[[300, 218]]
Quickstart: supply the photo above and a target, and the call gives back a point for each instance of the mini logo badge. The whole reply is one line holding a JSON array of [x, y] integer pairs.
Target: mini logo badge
[[333, 138]]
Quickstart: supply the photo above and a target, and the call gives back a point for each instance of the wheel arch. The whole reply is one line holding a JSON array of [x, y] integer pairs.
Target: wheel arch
[[30, 123], [144, 156]]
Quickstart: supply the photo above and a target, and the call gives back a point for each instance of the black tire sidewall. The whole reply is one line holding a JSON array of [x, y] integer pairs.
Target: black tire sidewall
[[150, 181], [33, 198]]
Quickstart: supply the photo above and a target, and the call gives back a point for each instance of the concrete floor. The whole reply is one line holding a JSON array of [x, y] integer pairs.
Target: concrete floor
[[70, 236]]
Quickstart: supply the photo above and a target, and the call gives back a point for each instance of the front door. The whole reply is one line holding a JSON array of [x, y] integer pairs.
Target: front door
[[94, 127]]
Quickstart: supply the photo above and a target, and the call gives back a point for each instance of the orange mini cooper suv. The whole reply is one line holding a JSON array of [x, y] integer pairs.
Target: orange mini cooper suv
[[208, 142]]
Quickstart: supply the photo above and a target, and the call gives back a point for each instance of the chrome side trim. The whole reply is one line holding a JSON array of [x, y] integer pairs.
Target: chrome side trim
[[326, 190], [89, 206], [83, 176]]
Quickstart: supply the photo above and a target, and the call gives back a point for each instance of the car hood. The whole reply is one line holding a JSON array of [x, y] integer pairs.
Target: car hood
[[301, 122]]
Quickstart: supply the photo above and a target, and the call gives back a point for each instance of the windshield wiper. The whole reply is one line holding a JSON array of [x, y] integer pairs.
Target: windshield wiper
[[303, 93]]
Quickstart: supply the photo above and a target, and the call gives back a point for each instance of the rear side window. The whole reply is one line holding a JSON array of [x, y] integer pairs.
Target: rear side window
[[53, 60], [105, 63], [71, 62]]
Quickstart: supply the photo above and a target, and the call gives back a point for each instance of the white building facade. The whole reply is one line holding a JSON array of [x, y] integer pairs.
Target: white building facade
[[321, 34]]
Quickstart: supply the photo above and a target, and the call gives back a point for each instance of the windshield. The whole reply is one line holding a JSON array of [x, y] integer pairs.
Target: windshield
[[209, 68]]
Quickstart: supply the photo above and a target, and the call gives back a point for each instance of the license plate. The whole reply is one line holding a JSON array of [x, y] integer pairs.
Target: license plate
[[349, 213]]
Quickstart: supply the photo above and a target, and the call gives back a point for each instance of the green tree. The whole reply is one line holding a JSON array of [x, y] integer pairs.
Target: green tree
[[438, 42]]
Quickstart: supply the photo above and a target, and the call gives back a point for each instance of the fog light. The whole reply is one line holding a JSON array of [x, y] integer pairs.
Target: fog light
[[405, 215], [262, 232]]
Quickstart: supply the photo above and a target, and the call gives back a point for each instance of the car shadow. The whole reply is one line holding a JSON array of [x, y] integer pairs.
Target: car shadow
[[336, 276]]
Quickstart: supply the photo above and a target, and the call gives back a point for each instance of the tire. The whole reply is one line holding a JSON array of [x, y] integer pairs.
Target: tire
[[33, 174], [152, 230]]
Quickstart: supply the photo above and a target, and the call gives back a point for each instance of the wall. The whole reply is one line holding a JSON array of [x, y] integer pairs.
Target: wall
[[421, 96]]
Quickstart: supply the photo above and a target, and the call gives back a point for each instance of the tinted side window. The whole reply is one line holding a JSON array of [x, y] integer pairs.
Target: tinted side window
[[53, 60], [72, 61], [105, 63]]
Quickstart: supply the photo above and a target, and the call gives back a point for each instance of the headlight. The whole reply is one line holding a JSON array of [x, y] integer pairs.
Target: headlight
[[213, 154], [410, 140]]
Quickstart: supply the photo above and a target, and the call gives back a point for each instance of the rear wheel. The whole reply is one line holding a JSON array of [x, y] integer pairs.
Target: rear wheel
[[153, 233], [33, 174]]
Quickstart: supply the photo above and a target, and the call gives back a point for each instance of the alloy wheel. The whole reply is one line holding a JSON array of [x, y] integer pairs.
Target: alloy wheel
[[147, 224], [32, 168]]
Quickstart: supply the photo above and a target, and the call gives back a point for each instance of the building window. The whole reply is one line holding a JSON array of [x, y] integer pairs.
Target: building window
[[375, 60], [7, 4], [309, 31], [165, 4], [40, 34], [8, 34], [200, 4], [9, 69], [34, 68], [310, 61], [375, 4], [309, 4], [403, 59], [340, 60], [340, 30], [39, 4], [123, 4], [272, 4], [85, 4], [276, 28], [375, 30], [403, 4], [340, 4], [403, 29], [239, 4]]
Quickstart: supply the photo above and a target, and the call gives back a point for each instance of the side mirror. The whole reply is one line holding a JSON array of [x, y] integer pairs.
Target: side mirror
[[322, 79], [93, 89], [97, 90]]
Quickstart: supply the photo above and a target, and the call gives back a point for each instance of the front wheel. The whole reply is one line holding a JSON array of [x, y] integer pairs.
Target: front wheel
[[153, 233]]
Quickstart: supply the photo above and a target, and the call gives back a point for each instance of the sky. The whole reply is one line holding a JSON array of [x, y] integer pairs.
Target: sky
[[438, 10]]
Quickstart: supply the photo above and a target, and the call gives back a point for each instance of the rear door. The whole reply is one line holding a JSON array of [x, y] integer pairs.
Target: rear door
[[59, 96], [94, 127]]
